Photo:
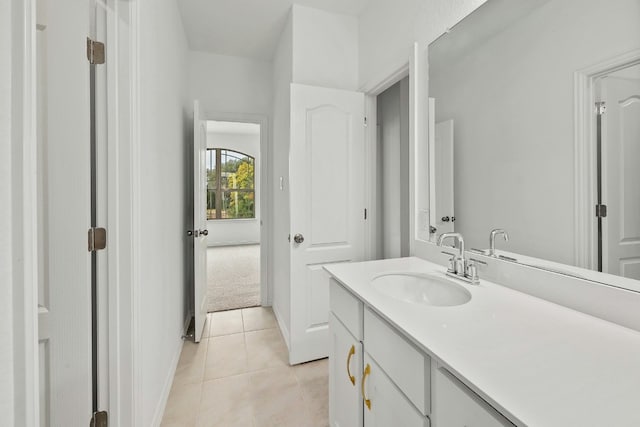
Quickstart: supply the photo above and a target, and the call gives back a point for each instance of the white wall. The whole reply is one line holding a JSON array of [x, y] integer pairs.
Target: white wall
[[387, 31], [315, 48], [225, 232], [6, 220], [163, 223], [229, 84], [325, 48], [514, 161], [282, 77]]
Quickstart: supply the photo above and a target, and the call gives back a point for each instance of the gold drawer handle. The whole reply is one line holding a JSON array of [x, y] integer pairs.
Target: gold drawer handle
[[367, 371], [351, 353]]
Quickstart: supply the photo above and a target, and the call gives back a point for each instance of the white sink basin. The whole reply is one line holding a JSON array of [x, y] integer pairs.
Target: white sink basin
[[429, 289]]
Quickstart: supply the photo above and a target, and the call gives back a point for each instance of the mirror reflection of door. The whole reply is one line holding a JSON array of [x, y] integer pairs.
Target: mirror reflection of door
[[620, 91], [441, 190], [443, 177]]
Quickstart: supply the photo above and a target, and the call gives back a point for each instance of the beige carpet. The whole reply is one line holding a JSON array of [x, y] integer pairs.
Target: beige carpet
[[233, 277]]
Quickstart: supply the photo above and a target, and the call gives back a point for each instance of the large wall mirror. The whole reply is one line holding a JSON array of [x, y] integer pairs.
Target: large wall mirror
[[516, 85]]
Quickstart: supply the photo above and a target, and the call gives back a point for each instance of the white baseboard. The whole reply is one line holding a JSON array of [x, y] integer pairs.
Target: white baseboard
[[166, 388], [223, 244], [283, 328]]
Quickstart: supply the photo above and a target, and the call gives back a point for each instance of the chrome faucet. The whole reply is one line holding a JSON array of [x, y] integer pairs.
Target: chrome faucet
[[492, 240], [459, 266]]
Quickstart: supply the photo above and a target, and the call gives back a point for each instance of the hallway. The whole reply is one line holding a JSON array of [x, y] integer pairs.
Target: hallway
[[238, 375]]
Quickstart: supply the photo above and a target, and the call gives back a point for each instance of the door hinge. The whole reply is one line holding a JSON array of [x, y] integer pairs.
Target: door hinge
[[601, 211], [601, 108], [95, 51], [365, 214], [99, 419], [97, 239]]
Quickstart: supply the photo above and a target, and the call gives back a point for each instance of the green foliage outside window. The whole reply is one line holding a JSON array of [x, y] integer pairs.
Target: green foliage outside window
[[230, 185]]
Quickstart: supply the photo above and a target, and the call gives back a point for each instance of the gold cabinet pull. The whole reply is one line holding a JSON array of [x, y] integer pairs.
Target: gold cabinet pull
[[367, 371], [352, 378]]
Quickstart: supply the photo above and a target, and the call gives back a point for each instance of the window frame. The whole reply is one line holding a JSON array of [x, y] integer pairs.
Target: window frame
[[219, 191]]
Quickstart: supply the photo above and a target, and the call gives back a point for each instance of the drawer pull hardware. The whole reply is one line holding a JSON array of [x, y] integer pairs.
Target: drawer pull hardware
[[352, 378], [367, 371]]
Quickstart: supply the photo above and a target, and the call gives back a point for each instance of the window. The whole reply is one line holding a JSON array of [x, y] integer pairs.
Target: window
[[230, 184]]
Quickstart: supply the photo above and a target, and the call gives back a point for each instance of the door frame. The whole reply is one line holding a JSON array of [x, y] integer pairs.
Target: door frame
[[24, 249], [416, 69], [123, 214], [266, 193], [585, 230], [372, 199]]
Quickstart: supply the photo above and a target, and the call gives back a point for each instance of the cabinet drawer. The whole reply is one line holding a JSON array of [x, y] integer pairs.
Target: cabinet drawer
[[346, 307], [387, 405], [454, 404], [408, 367]]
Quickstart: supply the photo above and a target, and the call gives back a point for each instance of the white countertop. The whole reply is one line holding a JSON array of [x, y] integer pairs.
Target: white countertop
[[538, 363]]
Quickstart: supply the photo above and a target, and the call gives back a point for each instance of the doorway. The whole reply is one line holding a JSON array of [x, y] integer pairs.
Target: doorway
[[234, 215], [392, 218]]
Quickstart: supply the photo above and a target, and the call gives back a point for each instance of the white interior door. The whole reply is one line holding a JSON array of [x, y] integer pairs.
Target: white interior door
[[621, 175], [200, 231], [441, 176], [326, 166], [64, 294]]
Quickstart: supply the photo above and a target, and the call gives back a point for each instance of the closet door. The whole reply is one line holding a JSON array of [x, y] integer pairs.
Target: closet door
[[326, 166]]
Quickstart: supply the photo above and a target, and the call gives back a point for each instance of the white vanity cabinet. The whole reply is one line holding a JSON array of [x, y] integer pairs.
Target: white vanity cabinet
[[345, 375], [361, 392], [345, 358], [385, 404], [455, 405], [379, 378]]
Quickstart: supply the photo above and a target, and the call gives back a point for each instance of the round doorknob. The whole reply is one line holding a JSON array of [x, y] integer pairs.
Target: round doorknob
[[445, 219], [298, 238], [204, 232]]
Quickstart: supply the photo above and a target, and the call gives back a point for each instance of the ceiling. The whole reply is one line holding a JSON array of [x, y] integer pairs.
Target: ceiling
[[247, 28]]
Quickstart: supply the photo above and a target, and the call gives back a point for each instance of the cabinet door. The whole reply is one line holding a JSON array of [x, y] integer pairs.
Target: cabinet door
[[455, 405], [385, 405], [345, 371]]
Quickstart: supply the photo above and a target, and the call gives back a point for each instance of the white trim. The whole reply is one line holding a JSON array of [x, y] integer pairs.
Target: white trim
[[166, 387], [371, 92], [134, 412], [283, 329], [371, 236], [585, 233], [414, 68], [416, 126], [376, 89], [122, 399], [266, 194], [25, 279]]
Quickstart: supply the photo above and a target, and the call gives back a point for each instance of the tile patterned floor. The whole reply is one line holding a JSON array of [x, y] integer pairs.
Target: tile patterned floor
[[239, 376]]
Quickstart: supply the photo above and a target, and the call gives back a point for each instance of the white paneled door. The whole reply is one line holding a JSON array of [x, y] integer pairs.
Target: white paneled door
[[443, 177], [64, 176], [621, 175], [326, 167], [200, 231]]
